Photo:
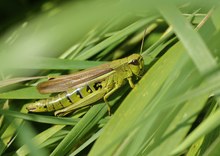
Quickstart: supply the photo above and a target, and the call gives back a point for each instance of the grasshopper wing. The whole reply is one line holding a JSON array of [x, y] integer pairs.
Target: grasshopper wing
[[66, 82]]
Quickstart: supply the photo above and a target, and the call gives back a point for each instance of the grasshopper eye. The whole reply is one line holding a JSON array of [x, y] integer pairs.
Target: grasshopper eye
[[134, 62]]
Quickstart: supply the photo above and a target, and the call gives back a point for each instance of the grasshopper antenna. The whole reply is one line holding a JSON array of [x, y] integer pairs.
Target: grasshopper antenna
[[142, 42]]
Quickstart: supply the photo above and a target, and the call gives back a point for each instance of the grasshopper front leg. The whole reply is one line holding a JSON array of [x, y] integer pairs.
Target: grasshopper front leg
[[130, 82]]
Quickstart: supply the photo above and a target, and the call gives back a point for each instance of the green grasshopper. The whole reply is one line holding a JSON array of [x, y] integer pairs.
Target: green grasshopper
[[88, 86]]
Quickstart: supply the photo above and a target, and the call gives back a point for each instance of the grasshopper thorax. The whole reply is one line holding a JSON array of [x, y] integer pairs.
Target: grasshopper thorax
[[136, 64]]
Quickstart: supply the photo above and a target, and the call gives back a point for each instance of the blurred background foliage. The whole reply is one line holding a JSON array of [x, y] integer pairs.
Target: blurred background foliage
[[173, 109]]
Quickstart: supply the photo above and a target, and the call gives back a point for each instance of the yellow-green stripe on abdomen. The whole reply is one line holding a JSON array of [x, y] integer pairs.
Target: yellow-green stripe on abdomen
[[64, 99]]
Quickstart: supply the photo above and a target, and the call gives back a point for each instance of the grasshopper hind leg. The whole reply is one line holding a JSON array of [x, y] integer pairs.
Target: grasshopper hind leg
[[106, 97], [85, 101]]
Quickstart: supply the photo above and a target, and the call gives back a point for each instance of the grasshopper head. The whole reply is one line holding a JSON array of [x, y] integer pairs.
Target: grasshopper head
[[36, 107], [136, 64]]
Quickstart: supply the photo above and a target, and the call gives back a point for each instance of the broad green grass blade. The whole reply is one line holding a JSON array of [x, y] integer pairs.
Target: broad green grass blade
[[171, 124], [132, 107]]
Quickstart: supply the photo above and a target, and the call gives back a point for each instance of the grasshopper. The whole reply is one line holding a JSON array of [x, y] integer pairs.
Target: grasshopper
[[88, 86]]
